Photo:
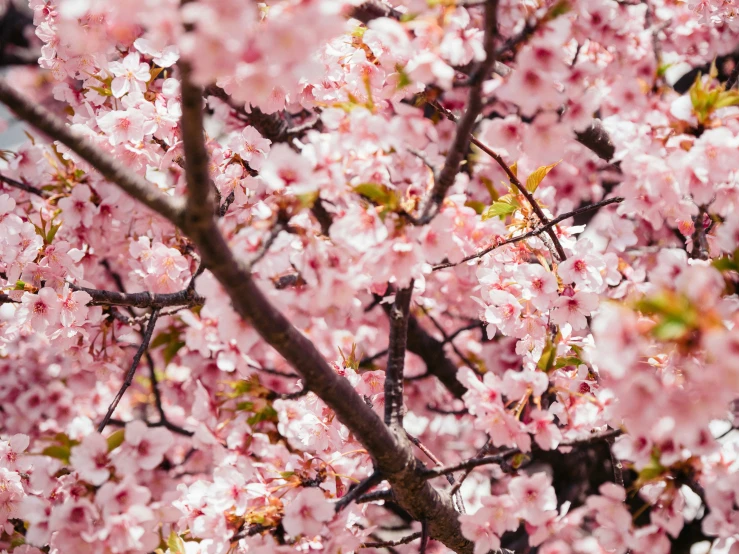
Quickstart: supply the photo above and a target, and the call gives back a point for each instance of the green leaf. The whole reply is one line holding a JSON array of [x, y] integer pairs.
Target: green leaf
[[170, 351], [374, 191], [567, 361], [287, 474], [476, 205], [652, 470], [267, 413], [498, 209], [404, 79], [725, 99], [535, 179], [102, 91], [52, 233], [59, 452], [161, 339], [670, 329], [175, 543], [507, 205], [116, 439], [245, 406], [308, 199], [724, 263], [490, 188], [548, 355]]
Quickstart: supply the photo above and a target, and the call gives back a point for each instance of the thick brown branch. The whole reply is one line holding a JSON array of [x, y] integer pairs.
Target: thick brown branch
[[596, 139], [396, 357], [385, 544], [393, 459], [373, 9], [135, 185], [200, 191]]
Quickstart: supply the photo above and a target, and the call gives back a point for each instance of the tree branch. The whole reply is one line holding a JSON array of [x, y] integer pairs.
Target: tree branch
[[396, 357], [385, 544], [185, 297], [200, 190], [373, 9], [465, 126], [115, 172], [515, 181], [362, 488], [395, 460], [502, 456], [533, 233], [132, 371], [22, 186], [596, 139]]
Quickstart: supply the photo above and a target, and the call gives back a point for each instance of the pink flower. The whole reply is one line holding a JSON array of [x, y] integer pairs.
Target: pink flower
[[728, 234], [504, 311], [574, 309], [538, 285], [359, 229], [73, 306], [42, 309], [534, 497], [307, 513], [144, 447], [427, 67], [286, 169], [546, 433], [501, 513], [130, 75], [11, 450], [123, 126], [251, 146], [77, 208], [74, 517], [90, 459], [11, 494], [583, 268], [478, 528]]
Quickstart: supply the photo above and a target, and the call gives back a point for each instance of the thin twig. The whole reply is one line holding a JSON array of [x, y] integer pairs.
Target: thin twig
[[22, 186], [132, 371], [450, 341], [163, 421], [515, 181], [365, 485], [385, 544], [466, 124], [535, 232], [276, 229], [502, 456], [383, 495]]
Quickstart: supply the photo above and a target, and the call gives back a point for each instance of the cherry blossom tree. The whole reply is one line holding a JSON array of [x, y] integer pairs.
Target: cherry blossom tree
[[352, 276]]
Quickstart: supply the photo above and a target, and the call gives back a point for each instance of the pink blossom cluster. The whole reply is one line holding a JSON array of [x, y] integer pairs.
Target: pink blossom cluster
[[326, 130]]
